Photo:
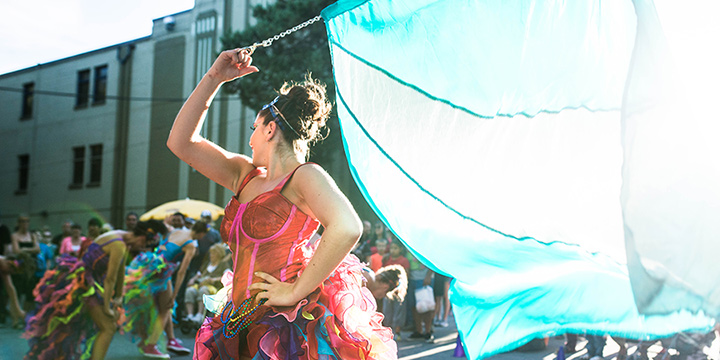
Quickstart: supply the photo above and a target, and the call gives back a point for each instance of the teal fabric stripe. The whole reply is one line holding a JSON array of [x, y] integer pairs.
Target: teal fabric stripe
[[495, 47], [370, 199], [462, 108]]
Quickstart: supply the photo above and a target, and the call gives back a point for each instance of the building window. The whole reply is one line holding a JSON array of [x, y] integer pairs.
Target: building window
[[24, 173], [100, 89], [27, 104], [83, 88], [96, 155], [78, 167]]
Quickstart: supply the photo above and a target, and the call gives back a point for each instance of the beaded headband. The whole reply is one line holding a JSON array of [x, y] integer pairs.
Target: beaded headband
[[277, 116]]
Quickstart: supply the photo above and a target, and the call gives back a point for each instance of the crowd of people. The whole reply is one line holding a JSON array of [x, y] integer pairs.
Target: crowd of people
[[200, 258], [379, 247], [194, 261], [35, 265]]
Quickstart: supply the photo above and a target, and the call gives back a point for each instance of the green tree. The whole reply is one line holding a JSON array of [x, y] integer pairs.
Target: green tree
[[290, 59]]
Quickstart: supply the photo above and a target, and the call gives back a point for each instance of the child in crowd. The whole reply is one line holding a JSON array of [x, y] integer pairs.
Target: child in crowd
[[375, 260], [394, 307], [419, 276]]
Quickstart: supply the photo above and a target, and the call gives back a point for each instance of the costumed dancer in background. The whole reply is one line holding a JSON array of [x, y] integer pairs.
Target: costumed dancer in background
[[389, 281], [286, 299], [150, 295], [80, 302]]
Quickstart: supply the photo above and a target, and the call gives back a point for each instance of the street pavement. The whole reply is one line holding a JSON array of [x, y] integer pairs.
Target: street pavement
[[14, 347]]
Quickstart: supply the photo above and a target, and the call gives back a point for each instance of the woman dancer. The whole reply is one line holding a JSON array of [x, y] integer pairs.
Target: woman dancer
[[287, 299], [79, 302], [150, 296]]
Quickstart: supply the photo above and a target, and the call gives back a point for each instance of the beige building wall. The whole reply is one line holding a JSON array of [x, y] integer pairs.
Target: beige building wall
[[146, 81]]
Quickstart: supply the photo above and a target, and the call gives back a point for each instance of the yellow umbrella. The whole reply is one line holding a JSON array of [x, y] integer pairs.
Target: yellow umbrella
[[190, 208]]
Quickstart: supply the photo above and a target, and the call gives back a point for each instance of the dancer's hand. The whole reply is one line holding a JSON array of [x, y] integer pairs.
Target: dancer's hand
[[276, 292], [116, 302], [109, 312], [232, 64]]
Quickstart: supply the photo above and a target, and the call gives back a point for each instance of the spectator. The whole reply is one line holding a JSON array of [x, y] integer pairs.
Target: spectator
[[131, 220], [5, 239], [364, 239], [58, 239], [177, 221], [72, 244], [23, 241], [94, 227], [25, 248], [595, 346], [441, 290], [6, 268], [211, 238], [212, 234], [94, 230], [375, 260], [205, 282], [378, 232], [419, 277], [46, 258], [393, 307]]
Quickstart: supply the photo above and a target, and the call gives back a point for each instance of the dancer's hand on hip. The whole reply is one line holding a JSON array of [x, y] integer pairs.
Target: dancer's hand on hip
[[276, 292]]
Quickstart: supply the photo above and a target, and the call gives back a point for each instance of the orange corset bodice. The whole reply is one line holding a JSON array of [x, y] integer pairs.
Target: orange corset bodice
[[268, 234]]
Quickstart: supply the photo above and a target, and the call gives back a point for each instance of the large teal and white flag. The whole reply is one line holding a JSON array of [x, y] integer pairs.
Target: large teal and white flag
[[545, 154]]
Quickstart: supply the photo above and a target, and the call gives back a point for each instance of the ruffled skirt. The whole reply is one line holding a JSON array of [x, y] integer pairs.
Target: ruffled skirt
[[337, 321], [145, 277], [61, 327]]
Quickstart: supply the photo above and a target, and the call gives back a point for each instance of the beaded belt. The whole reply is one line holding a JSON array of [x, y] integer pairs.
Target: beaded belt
[[237, 319]]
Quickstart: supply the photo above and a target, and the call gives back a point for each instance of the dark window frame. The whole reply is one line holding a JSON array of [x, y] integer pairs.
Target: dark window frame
[[78, 168], [27, 101], [100, 85], [96, 155], [82, 96], [23, 174]]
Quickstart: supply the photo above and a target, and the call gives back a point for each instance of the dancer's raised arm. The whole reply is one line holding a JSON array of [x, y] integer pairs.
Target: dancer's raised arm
[[224, 167]]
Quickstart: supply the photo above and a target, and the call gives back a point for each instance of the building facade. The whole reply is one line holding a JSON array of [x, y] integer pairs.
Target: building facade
[[85, 136]]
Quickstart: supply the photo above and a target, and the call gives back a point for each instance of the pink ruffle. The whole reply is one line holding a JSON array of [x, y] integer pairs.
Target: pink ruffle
[[341, 313]]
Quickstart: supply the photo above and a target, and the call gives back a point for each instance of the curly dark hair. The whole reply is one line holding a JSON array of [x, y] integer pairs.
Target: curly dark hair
[[395, 276], [153, 230], [306, 109], [199, 227]]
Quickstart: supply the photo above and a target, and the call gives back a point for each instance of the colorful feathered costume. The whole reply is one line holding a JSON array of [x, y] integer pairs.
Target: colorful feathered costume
[[61, 328], [336, 321]]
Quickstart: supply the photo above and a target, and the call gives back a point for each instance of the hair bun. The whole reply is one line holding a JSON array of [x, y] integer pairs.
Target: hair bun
[[306, 108]]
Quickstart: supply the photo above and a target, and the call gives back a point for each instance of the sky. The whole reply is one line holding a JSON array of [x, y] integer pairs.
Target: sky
[[39, 31]]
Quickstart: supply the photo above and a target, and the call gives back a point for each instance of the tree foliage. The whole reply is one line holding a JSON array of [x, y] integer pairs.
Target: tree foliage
[[290, 59]]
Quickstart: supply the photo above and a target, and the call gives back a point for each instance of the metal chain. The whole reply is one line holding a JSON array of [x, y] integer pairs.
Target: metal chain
[[267, 42]]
